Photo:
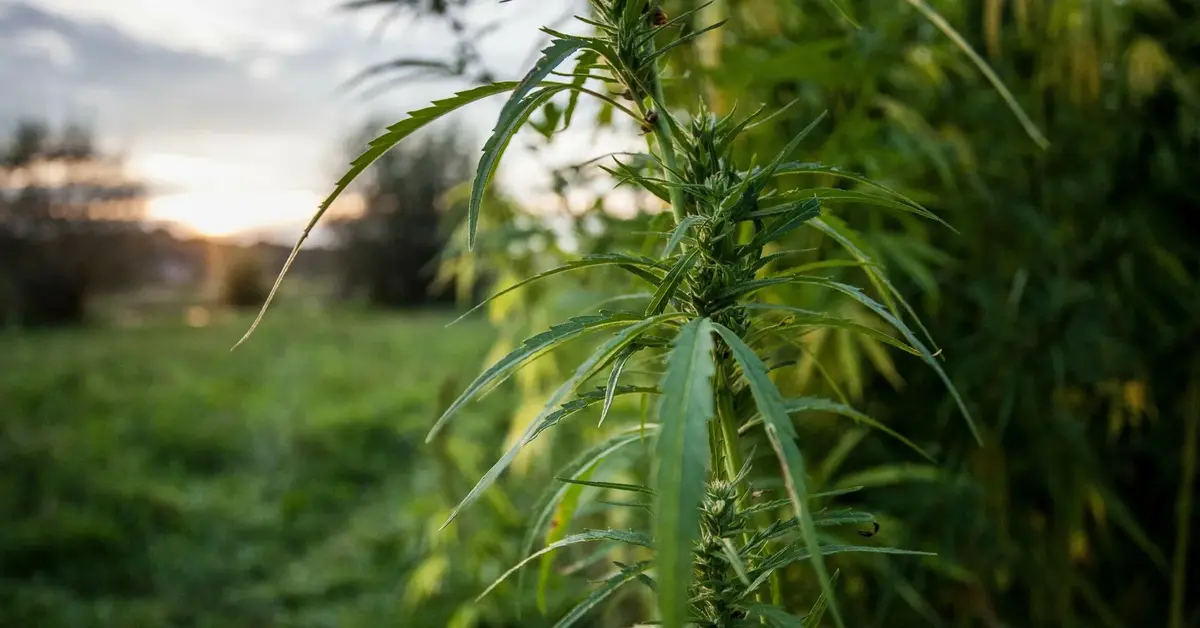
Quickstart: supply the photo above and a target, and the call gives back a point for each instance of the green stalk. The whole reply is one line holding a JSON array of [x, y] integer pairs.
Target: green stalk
[[726, 425], [662, 132], [1183, 508]]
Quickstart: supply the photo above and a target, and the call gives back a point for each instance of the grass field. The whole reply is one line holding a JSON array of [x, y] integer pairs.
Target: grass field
[[151, 478]]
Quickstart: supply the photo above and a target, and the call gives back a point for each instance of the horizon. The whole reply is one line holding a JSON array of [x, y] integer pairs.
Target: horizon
[[232, 113]]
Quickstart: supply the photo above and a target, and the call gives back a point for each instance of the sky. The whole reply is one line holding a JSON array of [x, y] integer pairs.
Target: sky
[[232, 110]]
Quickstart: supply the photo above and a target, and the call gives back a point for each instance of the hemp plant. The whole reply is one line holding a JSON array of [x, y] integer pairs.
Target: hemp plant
[[714, 546]]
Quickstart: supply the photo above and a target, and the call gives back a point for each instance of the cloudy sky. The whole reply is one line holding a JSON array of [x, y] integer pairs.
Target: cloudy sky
[[232, 107]]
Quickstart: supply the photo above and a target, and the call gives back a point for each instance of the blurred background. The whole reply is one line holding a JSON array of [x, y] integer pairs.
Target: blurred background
[[158, 160]]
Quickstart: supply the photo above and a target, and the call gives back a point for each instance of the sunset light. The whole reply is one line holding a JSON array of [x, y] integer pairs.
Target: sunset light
[[226, 213]]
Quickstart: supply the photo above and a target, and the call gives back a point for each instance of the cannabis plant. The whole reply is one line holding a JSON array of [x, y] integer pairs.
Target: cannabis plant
[[718, 536]]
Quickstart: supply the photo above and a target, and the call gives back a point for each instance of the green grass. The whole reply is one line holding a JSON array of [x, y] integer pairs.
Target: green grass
[[151, 477]]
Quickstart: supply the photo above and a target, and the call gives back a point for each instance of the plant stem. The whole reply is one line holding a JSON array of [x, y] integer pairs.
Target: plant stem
[[1183, 506], [727, 424], [662, 131]]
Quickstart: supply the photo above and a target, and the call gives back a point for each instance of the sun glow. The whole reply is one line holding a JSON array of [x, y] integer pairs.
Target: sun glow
[[226, 213]]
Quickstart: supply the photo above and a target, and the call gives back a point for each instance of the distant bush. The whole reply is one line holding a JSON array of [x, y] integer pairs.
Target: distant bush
[[68, 226], [244, 284]]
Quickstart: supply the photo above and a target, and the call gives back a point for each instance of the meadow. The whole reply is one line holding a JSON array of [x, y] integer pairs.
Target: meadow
[[151, 477]]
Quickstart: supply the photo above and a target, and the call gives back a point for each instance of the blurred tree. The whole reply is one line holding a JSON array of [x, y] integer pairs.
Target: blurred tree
[[68, 224], [244, 284], [390, 250]]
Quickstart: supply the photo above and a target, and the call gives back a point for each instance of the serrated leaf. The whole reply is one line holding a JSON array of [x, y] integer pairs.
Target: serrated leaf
[[858, 295], [684, 410], [769, 170], [546, 418], [494, 149], [948, 30], [587, 261], [797, 167], [865, 198], [530, 349], [598, 595], [782, 436], [583, 65], [671, 23], [809, 318], [774, 616], [685, 39], [376, 148], [863, 299], [616, 486], [817, 612], [680, 232], [511, 116], [613, 377], [590, 536], [734, 560], [670, 283], [558, 531], [817, 404], [790, 555], [800, 213], [841, 233], [583, 463]]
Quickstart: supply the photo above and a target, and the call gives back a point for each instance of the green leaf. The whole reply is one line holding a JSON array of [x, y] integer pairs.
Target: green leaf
[[616, 486], [587, 261], [734, 560], [495, 146], [678, 19], [598, 595], [890, 474], [590, 536], [782, 435], [857, 196], [377, 147], [796, 167], [944, 26], [558, 531], [530, 349], [858, 295], [790, 555], [626, 174], [684, 409], [861, 297], [684, 39], [817, 612], [799, 213], [835, 228], [680, 231], [774, 616], [769, 171], [613, 378], [841, 10], [512, 115], [817, 404], [582, 465], [809, 318], [547, 419], [583, 64], [670, 283]]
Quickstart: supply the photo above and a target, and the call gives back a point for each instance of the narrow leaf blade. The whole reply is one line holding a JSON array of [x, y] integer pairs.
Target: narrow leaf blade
[[375, 149], [684, 410], [782, 435]]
